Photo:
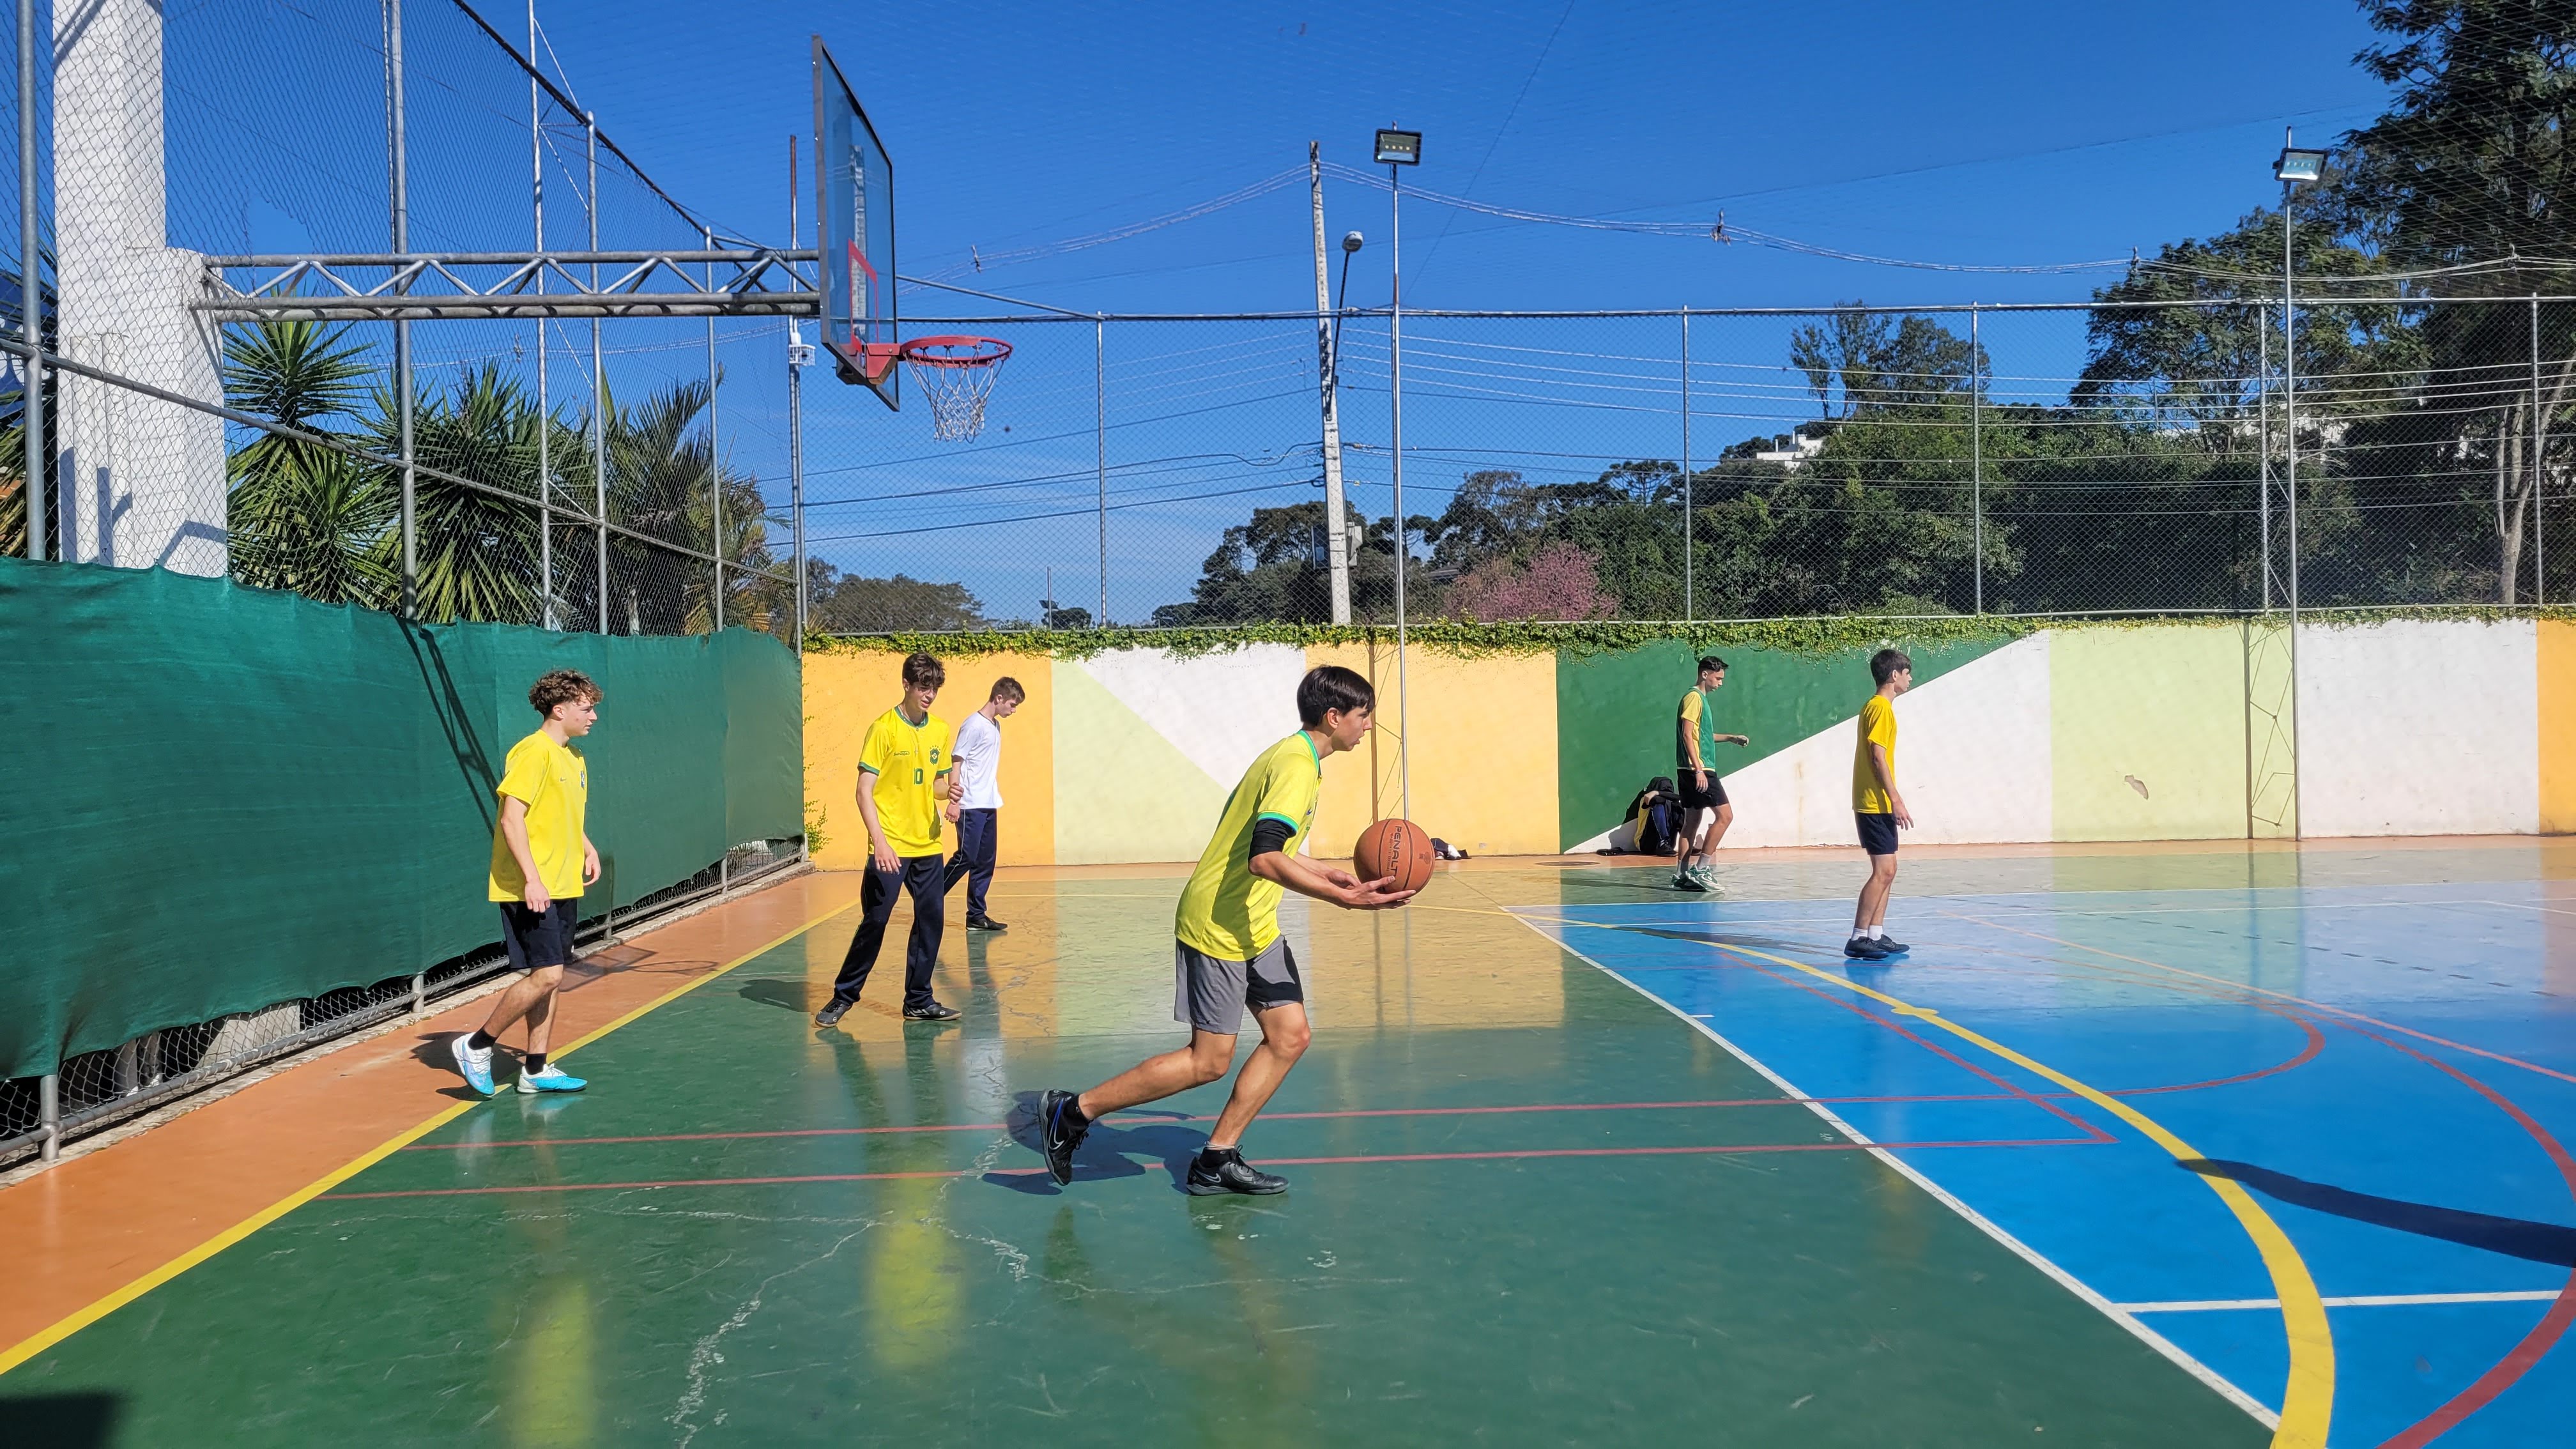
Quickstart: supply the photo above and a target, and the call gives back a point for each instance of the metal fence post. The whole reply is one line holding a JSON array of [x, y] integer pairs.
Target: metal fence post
[[31, 288], [1690, 594], [715, 468], [545, 408], [1977, 458], [2539, 471], [598, 378], [1100, 446], [401, 189], [2263, 439], [49, 1115]]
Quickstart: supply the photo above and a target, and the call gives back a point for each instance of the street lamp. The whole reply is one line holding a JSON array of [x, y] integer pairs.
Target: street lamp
[[1397, 149]]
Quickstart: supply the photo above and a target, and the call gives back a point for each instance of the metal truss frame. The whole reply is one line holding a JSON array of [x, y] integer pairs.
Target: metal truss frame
[[392, 287]]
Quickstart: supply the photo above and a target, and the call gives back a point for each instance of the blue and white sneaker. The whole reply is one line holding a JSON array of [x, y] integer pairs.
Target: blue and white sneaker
[[477, 1066], [549, 1078]]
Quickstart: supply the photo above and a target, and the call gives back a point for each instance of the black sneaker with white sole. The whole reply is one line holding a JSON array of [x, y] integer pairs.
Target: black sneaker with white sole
[[984, 923], [1216, 1171], [1057, 1136], [930, 1011]]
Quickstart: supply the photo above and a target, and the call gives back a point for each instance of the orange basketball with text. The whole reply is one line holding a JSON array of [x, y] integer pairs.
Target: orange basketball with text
[[1397, 848]]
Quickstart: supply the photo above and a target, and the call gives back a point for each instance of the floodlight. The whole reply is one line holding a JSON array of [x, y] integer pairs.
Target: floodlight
[[1399, 148], [2298, 165], [1352, 241]]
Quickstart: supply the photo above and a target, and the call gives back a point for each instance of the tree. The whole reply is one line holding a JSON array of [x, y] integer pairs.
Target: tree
[[1557, 581], [1869, 364], [1275, 567], [838, 603], [302, 516]]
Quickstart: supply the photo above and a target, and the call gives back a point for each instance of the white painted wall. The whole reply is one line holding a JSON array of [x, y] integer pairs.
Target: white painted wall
[[2419, 727], [1219, 710], [141, 482]]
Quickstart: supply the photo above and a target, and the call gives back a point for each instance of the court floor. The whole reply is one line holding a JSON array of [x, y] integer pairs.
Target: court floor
[[2142, 1146]]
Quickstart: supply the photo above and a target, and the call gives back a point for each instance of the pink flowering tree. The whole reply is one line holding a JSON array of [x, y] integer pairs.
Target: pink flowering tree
[[1559, 581]]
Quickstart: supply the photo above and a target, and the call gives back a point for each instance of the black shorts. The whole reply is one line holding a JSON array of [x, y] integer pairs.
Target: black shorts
[[539, 938], [1877, 833], [1694, 798]]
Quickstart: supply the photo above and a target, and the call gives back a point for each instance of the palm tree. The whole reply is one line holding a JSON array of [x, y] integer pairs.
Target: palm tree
[[302, 516], [475, 551]]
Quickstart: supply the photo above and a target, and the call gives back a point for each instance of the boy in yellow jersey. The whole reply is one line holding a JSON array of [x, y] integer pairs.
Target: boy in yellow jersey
[[1876, 807], [903, 788], [1705, 811], [541, 860], [1230, 954]]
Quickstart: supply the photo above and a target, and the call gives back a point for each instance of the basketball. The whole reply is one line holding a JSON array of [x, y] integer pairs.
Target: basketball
[[1397, 848]]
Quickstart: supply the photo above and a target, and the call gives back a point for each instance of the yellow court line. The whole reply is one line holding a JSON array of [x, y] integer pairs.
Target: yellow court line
[[2307, 1397], [54, 1333]]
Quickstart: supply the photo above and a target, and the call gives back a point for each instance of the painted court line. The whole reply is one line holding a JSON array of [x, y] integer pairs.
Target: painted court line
[[62, 1328], [2217, 1382], [1500, 1155], [2371, 1300]]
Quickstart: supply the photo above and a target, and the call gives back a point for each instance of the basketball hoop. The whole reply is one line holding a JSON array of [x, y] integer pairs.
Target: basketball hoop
[[957, 373]]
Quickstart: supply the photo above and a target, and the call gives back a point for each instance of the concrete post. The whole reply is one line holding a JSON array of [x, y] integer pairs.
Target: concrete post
[[141, 482]]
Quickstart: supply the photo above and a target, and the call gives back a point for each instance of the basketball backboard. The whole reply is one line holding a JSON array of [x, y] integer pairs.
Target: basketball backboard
[[854, 204]]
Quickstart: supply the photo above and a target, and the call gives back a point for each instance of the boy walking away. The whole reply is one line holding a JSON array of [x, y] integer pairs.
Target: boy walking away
[[903, 784], [1705, 812], [541, 860], [977, 797], [1230, 956], [1876, 806]]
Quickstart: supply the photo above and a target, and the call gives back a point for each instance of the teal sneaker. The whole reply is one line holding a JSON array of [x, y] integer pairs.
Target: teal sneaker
[[477, 1066], [549, 1078]]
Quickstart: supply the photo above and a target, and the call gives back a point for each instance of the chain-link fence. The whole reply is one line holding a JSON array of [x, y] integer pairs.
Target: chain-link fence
[[2073, 458]]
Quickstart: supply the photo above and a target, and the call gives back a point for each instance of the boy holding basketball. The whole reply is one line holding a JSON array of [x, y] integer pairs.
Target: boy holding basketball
[[1705, 811], [541, 860], [1230, 954], [1876, 807]]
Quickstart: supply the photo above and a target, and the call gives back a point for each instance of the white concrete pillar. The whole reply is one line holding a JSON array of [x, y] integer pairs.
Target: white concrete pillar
[[142, 481]]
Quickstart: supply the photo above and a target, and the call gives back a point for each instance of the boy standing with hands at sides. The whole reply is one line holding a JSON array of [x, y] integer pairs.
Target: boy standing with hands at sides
[[903, 785], [541, 860], [1230, 954], [975, 798], [1876, 807], [1705, 811]]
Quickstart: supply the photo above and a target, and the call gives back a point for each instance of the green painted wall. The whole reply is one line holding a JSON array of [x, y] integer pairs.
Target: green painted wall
[[2147, 733], [1614, 713]]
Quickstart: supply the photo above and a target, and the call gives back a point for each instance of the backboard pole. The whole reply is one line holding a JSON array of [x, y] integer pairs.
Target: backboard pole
[[796, 355], [1336, 529]]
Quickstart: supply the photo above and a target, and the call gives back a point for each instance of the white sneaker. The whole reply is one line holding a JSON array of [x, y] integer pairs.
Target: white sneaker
[[477, 1066], [549, 1078]]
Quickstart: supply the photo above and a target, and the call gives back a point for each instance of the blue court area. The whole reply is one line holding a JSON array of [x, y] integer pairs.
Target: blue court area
[[2374, 1051]]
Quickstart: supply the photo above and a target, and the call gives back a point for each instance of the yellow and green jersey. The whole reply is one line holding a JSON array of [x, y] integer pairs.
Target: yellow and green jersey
[[554, 783], [1226, 910], [1695, 725], [1877, 727], [907, 761]]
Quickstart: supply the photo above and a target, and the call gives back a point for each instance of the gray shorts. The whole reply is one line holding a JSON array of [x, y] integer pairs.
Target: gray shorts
[[1210, 992]]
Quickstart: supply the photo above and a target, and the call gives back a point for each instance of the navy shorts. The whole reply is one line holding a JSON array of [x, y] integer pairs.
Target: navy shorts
[[539, 938], [1877, 833]]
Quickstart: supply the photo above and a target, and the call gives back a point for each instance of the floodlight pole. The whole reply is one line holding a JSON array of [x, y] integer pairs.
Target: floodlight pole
[[1395, 392], [545, 412], [2263, 438], [598, 378], [715, 469], [31, 291], [401, 193], [2290, 473]]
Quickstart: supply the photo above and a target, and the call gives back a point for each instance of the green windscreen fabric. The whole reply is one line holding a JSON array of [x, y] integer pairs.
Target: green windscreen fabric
[[223, 798]]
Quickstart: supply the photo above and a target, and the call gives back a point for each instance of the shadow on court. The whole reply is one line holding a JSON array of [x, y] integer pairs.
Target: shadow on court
[[1108, 1150], [62, 1421], [2514, 1237]]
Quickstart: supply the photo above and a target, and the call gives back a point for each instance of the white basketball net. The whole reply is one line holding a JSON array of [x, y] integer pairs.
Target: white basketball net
[[957, 375]]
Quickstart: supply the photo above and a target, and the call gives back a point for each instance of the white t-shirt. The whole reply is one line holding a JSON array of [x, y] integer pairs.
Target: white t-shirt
[[979, 763]]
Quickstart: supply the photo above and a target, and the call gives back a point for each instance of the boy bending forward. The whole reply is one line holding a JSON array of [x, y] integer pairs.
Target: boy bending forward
[[1230, 955]]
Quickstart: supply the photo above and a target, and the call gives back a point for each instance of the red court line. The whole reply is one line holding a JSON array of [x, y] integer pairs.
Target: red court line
[[1266, 1117], [1506, 1155], [2552, 1326]]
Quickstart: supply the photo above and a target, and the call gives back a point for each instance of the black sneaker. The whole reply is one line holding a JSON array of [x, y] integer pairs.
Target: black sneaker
[[984, 923], [1056, 1138], [1213, 1173], [1890, 945], [1861, 948], [930, 1011], [833, 1010]]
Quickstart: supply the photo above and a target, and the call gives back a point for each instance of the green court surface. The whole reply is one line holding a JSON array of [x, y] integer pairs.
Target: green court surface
[[1530, 1206]]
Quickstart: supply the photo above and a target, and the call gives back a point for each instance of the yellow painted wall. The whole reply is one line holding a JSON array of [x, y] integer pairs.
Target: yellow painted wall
[[2147, 733], [845, 691], [2556, 658], [1483, 753]]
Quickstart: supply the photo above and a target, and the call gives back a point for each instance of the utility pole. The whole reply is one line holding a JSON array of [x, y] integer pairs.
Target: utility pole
[[1327, 365]]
